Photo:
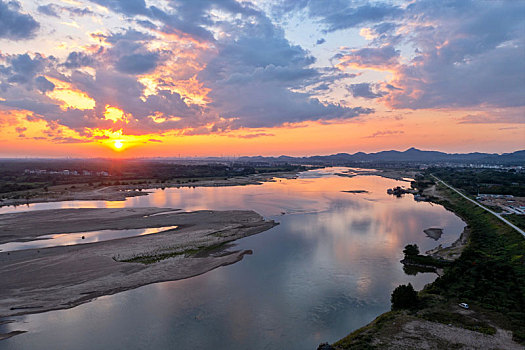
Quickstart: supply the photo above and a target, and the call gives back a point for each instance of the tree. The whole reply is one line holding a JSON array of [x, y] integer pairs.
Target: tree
[[404, 297], [411, 250]]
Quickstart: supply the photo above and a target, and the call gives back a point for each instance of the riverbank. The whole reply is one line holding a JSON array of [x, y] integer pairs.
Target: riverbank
[[132, 188], [488, 273], [394, 174], [39, 280]]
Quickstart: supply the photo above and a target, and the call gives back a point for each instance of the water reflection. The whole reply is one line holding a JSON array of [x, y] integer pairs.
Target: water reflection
[[65, 239], [328, 268]]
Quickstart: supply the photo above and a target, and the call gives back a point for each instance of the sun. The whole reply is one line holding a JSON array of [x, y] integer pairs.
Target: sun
[[117, 144]]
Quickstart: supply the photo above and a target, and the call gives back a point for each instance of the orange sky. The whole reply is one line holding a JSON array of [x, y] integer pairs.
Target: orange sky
[[79, 79]]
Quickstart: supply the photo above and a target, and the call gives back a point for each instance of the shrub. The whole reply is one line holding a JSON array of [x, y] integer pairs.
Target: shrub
[[404, 297], [411, 250]]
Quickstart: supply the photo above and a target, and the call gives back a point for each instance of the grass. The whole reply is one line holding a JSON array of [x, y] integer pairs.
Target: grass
[[153, 258], [362, 338], [425, 260], [491, 270], [518, 220]]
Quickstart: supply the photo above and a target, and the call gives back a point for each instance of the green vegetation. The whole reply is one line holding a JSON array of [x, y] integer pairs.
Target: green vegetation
[[26, 175], [404, 297], [487, 181], [489, 276], [518, 220], [412, 257], [362, 337], [151, 259], [491, 271], [411, 250]]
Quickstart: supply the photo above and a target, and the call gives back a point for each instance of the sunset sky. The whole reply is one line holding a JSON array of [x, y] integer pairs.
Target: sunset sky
[[131, 78]]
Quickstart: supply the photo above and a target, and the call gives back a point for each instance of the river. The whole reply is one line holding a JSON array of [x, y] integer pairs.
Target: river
[[327, 269]]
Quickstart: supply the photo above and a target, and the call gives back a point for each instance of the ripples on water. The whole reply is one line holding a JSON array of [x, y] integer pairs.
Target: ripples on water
[[327, 269]]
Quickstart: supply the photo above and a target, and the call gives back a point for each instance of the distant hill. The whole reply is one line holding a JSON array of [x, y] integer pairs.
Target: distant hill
[[410, 155]]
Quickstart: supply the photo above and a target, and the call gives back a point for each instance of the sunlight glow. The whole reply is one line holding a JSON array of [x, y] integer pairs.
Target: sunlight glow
[[114, 114], [118, 144], [69, 96]]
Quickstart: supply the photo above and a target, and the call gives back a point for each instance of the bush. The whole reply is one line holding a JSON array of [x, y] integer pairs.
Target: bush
[[404, 297]]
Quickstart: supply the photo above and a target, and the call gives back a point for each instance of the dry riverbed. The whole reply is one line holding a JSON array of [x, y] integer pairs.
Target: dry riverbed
[[38, 280]]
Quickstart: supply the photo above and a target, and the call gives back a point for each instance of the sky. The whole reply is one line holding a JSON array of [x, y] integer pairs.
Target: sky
[[164, 78]]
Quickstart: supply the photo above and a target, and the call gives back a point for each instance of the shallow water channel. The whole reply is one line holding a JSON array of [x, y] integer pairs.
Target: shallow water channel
[[327, 269], [65, 239]]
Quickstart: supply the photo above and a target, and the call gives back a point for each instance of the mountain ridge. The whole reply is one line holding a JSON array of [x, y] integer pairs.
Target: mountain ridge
[[412, 154]]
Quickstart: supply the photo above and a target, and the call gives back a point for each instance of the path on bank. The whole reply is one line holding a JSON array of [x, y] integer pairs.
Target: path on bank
[[482, 206]]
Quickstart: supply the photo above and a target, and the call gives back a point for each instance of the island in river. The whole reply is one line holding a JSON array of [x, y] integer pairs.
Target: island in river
[[38, 280]]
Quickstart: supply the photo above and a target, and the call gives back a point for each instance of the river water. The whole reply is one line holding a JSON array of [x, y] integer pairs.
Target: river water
[[327, 269]]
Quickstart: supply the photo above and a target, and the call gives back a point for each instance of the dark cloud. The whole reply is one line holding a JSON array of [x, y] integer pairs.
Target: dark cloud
[[127, 7], [137, 63], [365, 90], [340, 14], [22, 69], [254, 75], [48, 10], [369, 57], [475, 56], [55, 10], [320, 41], [43, 84], [78, 59], [464, 53], [15, 25]]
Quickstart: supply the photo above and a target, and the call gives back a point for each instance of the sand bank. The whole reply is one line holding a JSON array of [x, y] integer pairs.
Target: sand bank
[[38, 280]]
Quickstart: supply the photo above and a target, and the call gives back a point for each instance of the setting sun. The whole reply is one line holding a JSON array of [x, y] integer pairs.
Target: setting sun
[[117, 144]]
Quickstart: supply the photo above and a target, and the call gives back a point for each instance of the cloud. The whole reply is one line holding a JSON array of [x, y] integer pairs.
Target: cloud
[[385, 133], [507, 117], [48, 10], [320, 41], [127, 7], [15, 25], [175, 71], [340, 14], [78, 59], [139, 63], [455, 53], [252, 136], [20, 130], [43, 84], [365, 90], [382, 58], [55, 10]]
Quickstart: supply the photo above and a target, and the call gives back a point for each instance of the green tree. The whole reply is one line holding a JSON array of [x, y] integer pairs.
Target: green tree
[[404, 297], [411, 250]]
